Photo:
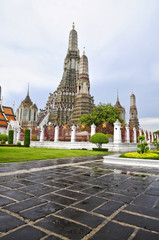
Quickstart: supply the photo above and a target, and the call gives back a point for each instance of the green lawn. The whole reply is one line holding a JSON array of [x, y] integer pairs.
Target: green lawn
[[19, 154]]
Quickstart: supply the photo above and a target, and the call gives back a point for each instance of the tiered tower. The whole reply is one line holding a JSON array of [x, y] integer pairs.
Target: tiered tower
[[121, 109], [84, 103], [61, 102], [133, 121], [27, 113]]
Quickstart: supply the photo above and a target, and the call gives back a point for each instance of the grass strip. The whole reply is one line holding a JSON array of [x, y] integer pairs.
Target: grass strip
[[19, 154]]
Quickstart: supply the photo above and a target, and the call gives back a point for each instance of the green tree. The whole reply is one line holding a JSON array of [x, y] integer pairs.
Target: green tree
[[156, 143], [10, 136], [101, 113], [3, 138], [99, 139], [27, 137], [142, 146]]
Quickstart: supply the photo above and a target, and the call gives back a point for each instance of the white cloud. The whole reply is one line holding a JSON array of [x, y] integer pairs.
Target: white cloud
[[34, 40], [150, 124]]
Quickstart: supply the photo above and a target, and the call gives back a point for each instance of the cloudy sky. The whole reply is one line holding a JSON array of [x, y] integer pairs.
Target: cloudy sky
[[121, 38]]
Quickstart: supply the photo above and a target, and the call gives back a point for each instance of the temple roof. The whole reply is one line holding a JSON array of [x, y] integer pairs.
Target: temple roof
[[27, 103], [117, 104], [6, 114]]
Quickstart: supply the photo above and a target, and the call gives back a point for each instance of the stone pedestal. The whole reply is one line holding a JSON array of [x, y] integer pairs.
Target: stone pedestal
[[56, 138], [18, 134], [73, 133], [93, 129], [117, 132], [127, 135], [135, 135], [41, 134]]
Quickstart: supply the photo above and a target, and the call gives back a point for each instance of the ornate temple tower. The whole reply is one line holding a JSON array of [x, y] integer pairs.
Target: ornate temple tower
[[121, 109], [61, 102], [84, 103], [133, 121], [27, 112]]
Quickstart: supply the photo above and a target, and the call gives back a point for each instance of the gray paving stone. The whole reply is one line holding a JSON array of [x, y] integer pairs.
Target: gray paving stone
[[17, 207], [5, 201], [81, 217], [108, 208], [116, 197], [16, 195], [25, 233], [152, 212], [145, 200], [90, 203], [64, 227], [145, 235], [58, 199], [139, 221], [41, 211], [8, 222], [113, 231], [72, 194]]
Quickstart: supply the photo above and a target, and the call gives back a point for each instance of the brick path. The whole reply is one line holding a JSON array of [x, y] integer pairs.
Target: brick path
[[78, 198]]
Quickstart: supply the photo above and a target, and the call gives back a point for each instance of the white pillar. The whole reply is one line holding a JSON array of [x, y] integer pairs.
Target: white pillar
[[41, 134], [117, 132], [56, 137], [18, 134], [93, 129], [73, 133], [149, 136], [127, 135], [140, 132], [145, 135], [135, 135]]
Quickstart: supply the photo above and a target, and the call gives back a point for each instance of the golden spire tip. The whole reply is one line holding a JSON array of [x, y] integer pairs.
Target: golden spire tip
[[73, 26], [84, 51]]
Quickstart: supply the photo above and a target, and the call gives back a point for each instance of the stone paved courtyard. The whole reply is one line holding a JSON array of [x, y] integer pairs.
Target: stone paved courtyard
[[78, 198]]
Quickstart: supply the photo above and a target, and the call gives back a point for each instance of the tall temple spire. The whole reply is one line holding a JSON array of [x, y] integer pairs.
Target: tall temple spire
[[61, 102], [133, 120], [84, 103], [73, 40], [28, 90], [121, 109], [83, 65]]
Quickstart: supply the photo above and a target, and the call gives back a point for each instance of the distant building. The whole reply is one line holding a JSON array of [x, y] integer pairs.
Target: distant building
[[133, 120], [27, 112], [84, 103], [121, 109], [6, 115]]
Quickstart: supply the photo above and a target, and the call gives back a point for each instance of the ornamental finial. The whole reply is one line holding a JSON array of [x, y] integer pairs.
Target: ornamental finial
[[84, 51], [73, 26]]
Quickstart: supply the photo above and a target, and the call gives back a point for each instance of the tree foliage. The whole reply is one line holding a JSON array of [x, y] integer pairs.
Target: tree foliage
[[10, 136], [101, 113], [99, 139], [27, 137], [3, 138], [142, 146], [156, 143]]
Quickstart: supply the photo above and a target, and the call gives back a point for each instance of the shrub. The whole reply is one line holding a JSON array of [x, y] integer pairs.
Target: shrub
[[100, 149], [10, 136], [3, 138], [27, 137], [156, 143], [99, 139], [142, 146], [18, 144]]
